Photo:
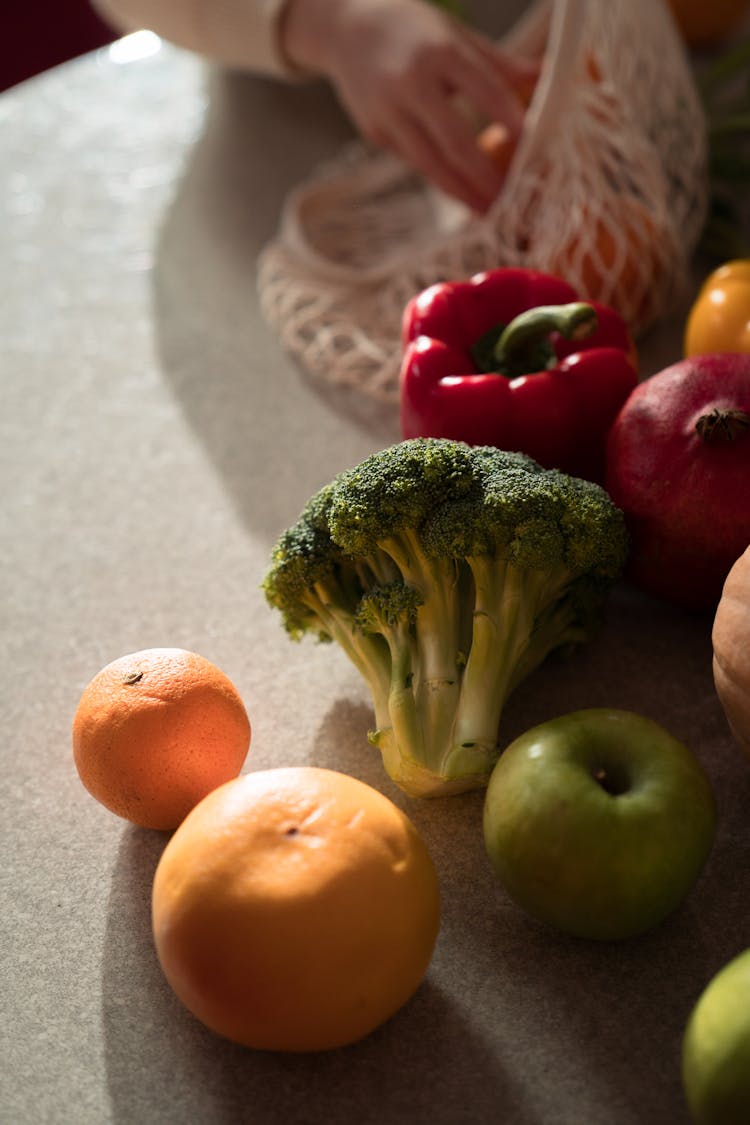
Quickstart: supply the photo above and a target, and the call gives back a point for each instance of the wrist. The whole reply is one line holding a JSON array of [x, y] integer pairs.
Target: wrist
[[307, 31]]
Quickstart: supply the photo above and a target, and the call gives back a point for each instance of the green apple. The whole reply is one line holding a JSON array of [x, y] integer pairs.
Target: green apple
[[716, 1048], [599, 822]]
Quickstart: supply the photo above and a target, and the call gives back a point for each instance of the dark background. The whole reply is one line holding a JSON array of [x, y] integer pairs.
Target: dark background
[[42, 33]]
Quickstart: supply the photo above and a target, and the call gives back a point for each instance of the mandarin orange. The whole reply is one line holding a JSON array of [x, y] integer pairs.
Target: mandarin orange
[[157, 730], [618, 258]]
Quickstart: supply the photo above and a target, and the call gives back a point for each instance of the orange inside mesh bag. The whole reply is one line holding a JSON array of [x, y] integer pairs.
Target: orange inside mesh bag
[[607, 187]]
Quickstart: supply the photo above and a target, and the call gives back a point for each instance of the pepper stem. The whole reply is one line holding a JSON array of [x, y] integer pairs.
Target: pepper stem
[[723, 426], [524, 340]]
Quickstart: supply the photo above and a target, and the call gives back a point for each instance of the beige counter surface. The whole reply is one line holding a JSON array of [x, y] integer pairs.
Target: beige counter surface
[[154, 442]]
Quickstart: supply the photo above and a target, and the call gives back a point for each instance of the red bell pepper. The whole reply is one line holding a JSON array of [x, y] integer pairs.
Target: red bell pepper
[[512, 358]]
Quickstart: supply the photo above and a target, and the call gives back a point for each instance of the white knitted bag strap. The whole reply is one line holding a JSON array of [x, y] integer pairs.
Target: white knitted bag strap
[[552, 92]]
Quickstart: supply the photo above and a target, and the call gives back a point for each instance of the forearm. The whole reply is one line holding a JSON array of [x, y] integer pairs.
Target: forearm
[[237, 33]]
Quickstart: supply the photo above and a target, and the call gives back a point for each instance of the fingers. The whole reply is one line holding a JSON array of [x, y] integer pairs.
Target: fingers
[[424, 85], [498, 85], [429, 126], [454, 145], [522, 72], [441, 106], [474, 180], [487, 88]]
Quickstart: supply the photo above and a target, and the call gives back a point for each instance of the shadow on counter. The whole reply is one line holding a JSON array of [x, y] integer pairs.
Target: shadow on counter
[[163, 1065], [263, 422]]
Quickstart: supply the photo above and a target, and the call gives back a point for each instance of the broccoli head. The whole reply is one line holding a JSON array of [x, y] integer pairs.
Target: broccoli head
[[447, 573]]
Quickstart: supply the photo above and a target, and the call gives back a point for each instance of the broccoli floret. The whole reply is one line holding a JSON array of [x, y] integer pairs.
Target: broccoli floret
[[447, 573]]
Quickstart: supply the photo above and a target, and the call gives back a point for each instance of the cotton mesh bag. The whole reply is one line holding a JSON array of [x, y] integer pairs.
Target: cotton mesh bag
[[607, 188]]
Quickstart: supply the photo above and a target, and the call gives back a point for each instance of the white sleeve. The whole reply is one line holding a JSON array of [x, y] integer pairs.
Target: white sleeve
[[245, 34]]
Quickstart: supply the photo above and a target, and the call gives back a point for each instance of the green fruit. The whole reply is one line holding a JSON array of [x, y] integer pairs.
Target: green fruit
[[599, 823], [716, 1048]]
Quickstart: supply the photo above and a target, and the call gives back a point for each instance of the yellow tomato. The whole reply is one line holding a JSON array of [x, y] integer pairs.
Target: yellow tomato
[[719, 320]]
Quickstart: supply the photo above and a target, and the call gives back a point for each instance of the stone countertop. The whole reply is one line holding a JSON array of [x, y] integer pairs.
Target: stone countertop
[[155, 440]]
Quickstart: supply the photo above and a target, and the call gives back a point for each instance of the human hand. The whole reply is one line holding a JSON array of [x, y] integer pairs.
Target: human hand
[[416, 81]]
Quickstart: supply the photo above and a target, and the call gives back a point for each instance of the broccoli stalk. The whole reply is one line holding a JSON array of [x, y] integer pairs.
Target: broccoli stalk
[[447, 573]]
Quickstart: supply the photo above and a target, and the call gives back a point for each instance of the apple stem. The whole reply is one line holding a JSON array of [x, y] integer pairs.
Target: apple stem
[[600, 776], [609, 782]]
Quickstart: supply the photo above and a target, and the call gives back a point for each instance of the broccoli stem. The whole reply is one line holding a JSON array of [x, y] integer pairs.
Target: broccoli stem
[[440, 722], [437, 627], [512, 636], [368, 652], [438, 683], [558, 626], [502, 621], [437, 716], [400, 736], [427, 659]]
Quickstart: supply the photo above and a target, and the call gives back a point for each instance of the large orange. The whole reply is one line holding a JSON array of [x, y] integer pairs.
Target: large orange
[[295, 909], [157, 730]]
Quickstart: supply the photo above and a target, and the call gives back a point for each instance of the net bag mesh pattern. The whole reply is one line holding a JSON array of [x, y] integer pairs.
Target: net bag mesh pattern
[[607, 188]]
